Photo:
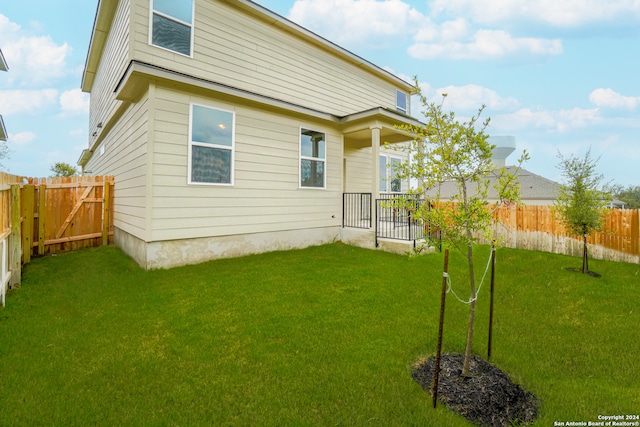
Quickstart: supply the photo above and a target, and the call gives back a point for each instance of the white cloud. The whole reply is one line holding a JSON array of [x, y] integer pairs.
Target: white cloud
[[74, 101], [26, 101], [32, 59], [383, 23], [611, 99], [22, 138], [483, 44], [558, 13], [471, 97], [367, 22], [561, 120]]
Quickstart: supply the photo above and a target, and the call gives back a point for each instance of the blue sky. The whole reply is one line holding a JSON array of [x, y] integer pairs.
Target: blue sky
[[558, 75]]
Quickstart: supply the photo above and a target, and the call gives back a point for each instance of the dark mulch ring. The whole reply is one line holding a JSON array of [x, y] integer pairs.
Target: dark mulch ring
[[486, 397]]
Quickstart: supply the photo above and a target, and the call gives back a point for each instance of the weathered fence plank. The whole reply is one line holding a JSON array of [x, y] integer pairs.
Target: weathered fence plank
[[537, 228]]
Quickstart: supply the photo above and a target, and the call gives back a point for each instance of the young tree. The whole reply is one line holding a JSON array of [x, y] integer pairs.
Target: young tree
[[63, 169], [445, 150], [581, 202]]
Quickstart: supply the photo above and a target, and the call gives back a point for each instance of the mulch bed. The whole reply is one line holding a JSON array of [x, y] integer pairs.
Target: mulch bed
[[486, 397]]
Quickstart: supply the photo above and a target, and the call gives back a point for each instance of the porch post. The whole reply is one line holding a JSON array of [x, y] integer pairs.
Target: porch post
[[375, 167]]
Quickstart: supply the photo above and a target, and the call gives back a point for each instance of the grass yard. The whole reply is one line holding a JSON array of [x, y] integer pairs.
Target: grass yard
[[321, 336]]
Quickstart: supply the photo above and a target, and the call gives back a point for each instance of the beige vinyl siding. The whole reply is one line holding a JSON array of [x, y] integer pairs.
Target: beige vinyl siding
[[240, 51], [358, 177], [125, 156], [115, 59], [265, 196]]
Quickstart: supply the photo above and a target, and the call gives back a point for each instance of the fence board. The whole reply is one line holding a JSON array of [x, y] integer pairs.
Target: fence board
[[536, 228], [70, 213]]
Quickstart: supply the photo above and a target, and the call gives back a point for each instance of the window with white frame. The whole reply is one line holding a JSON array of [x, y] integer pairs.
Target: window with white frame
[[312, 159], [172, 25], [211, 145], [389, 181], [401, 102]]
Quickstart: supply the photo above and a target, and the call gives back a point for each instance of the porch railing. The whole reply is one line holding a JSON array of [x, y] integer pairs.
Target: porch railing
[[392, 220], [397, 220], [356, 210]]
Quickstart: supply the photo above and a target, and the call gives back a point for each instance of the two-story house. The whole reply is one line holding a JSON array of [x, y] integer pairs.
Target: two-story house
[[231, 130]]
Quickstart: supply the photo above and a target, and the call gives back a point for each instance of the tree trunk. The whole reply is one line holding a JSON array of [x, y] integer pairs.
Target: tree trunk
[[472, 312]]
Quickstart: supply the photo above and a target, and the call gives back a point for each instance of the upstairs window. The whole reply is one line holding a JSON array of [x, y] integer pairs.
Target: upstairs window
[[401, 102], [172, 25], [312, 159], [211, 146]]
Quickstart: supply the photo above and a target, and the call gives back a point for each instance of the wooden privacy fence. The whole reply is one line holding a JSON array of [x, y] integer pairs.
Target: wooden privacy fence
[[42, 216], [536, 228]]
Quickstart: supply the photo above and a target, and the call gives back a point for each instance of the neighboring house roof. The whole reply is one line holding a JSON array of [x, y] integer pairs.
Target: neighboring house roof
[[106, 10], [3, 63], [532, 186], [617, 204], [3, 130]]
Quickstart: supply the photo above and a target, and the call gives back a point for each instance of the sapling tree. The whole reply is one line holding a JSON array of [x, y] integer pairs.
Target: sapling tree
[[445, 150], [581, 200]]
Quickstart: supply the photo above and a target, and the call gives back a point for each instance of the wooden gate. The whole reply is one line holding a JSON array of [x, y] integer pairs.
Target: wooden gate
[[40, 216], [63, 214]]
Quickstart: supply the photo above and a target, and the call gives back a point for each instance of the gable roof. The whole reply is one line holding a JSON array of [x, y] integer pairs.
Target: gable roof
[[532, 186], [105, 13]]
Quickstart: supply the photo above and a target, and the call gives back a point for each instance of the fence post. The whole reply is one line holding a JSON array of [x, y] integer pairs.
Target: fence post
[[15, 255], [27, 200], [42, 217]]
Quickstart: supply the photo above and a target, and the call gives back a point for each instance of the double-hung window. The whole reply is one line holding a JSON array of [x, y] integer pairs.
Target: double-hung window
[[389, 181], [312, 159], [172, 25], [211, 146], [401, 102]]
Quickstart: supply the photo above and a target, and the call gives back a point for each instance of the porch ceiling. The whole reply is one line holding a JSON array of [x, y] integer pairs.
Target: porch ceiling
[[357, 127]]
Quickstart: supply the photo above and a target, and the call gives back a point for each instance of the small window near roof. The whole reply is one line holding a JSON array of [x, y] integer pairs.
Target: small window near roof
[[172, 25], [401, 102]]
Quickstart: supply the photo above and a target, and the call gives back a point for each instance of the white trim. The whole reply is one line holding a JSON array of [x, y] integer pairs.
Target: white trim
[[405, 109], [388, 178], [313, 159], [191, 143], [191, 25]]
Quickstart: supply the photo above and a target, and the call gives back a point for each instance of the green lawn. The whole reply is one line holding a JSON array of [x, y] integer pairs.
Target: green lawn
[[321, 336]]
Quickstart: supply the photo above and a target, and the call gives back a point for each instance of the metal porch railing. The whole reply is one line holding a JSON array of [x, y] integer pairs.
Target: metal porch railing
[[356, 210], [395, 219]]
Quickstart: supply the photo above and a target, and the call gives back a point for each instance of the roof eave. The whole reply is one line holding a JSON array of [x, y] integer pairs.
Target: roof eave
[[105, 12], [3, 62], [3, 130]]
